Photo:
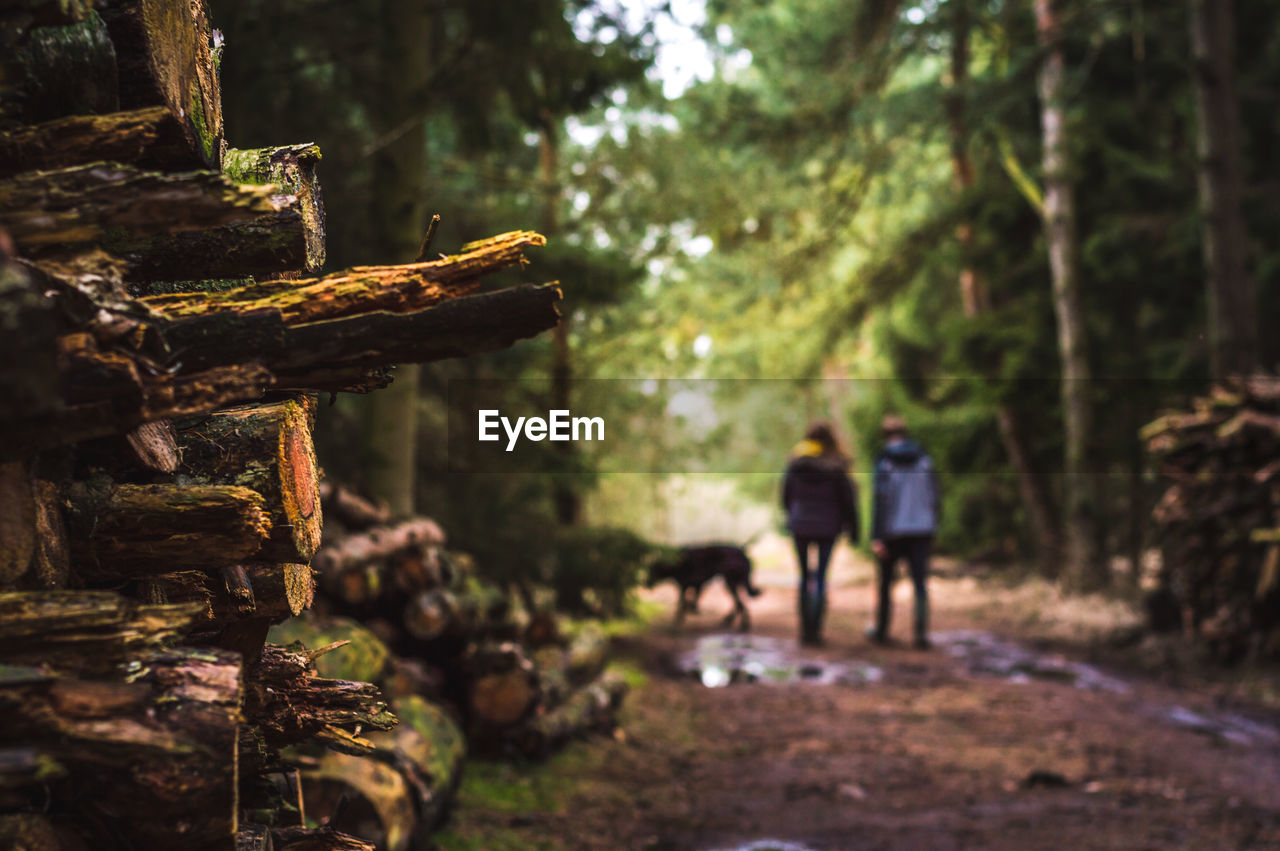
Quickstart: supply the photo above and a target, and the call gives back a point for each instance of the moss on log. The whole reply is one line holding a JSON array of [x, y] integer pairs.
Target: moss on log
[[266, 448], [408, 782], [148, 138], [67, 68], [360, 290], [293, 169]]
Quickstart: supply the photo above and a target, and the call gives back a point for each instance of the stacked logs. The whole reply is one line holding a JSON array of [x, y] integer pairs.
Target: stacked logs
[[1219, 517], [515, 684], [164, 331]]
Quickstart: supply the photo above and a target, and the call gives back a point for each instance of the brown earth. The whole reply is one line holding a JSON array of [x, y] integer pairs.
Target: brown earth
[[934, 756]]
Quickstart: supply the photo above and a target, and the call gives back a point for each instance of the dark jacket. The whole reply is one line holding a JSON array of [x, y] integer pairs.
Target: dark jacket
[[905, 500], [818, 495]]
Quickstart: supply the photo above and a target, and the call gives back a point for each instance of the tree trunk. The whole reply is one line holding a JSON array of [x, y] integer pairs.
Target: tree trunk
[[568, 503], [266, 448], [1232, 294], [353, 511], [55, 629], [1084, 568], [400, 211], [975, 301]]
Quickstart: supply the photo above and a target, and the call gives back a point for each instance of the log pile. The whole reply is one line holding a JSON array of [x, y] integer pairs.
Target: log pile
[[1219, 517], [516, 685], [165, 328]]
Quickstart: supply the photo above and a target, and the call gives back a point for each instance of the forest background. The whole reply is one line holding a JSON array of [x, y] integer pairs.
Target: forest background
[[1029, 227]]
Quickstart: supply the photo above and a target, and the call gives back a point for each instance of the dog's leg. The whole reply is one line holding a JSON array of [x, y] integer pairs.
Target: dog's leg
[[740, 609], [680, 606]]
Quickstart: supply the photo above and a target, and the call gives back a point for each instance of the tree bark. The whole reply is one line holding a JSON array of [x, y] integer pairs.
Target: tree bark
[[975, 301], [408, 781], [591, 708], [68, 67], [1232, 293], [289, 704], [149, 138], [353, 511], [376, 545], [164, 58], [45, 210], [156, 756], [268, 449], [56, 629], [133, 531], [1084, 568]]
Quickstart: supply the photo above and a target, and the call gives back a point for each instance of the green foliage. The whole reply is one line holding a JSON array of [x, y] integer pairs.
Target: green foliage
[[593, 569]]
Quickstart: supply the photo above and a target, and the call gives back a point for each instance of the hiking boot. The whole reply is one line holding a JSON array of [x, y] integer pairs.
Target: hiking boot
[[922, 643], [876, 636]]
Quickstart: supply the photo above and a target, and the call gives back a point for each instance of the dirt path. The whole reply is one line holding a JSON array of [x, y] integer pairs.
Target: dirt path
[[973, 744]]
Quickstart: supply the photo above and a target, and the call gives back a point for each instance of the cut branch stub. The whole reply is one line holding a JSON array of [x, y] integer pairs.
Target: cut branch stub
[[267, 448]]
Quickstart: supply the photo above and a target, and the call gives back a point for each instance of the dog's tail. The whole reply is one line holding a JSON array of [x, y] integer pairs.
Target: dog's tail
[[749, 541], [752, 590]]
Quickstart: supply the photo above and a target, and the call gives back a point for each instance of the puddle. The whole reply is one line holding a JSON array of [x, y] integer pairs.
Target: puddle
[[722, 659], [1226, 726], [768, 845], [985, 654]]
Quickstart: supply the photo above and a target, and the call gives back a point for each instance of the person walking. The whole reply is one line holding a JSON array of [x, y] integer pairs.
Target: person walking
[[905, 511], [820, 500]]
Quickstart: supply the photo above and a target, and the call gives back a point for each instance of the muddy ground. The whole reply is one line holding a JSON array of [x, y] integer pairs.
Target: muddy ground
[[989, 740]]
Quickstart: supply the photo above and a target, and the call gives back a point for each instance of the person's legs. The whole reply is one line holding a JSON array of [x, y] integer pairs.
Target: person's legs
[[819, 609], [920, 549], [884, 599], [802, 595]]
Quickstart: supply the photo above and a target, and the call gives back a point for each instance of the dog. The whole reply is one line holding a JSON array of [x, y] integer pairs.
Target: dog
[[696, 566]]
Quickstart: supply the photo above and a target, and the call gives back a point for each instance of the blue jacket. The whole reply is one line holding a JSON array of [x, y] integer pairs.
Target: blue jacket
[[905, 500], [818, 495]]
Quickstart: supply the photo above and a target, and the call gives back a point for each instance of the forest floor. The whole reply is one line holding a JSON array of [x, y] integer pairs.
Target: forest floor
[[1001, 736]]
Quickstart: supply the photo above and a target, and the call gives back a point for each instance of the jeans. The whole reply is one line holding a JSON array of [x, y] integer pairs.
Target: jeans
[[813, 585], [916, 549]]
